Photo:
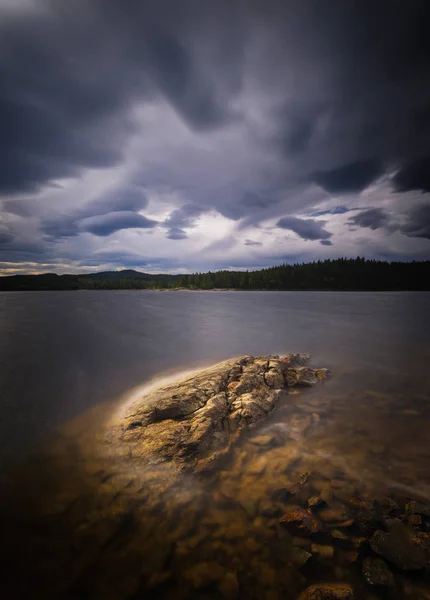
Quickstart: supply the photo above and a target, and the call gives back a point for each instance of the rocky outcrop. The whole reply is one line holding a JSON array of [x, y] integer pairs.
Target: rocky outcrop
[[194, 421]]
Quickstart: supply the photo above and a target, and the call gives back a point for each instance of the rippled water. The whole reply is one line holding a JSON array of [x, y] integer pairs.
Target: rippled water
[[77, 525]]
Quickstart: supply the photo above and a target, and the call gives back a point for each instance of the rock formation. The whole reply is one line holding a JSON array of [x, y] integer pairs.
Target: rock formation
[[194, 421]]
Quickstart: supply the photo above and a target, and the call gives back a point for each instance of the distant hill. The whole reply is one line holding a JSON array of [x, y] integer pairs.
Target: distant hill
[[340, 274], [130, 274]]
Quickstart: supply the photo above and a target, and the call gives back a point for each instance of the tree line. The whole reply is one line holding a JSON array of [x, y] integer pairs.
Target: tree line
[[338, 274]]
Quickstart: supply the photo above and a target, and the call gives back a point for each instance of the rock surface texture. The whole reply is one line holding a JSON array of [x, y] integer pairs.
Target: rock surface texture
[[192, 422]]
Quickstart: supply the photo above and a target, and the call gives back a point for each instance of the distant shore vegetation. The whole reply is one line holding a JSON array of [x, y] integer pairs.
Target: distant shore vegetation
[[339, 274]]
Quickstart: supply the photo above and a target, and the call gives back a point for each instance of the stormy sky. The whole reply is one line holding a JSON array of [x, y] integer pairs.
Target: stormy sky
[[185, 135]]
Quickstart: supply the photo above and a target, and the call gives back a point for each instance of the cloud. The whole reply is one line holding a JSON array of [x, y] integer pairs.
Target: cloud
[[414, 175], [75, 113], [353, 177], [373, 218], [104, 225], [326, 243], [418, 222], [175, 233], [182, 218], [221, 115], [248, 242], [338, 210], [129, 199], [5, 238], [307, 229]]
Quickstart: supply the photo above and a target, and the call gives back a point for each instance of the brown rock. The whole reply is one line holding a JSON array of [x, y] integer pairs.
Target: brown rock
[[324, 551], [414, 520], [204, 573], [269, 510], [229, 586], [299, 557], [300, 522], [389, 506], [315, 502], [376, 572], [350, 556], [337, 534], [328, 591], [418, 508], [403, 547], [334, 514], [194, 421]]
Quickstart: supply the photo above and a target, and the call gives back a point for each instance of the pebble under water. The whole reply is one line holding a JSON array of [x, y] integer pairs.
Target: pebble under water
[[355, 457], [76, 524]]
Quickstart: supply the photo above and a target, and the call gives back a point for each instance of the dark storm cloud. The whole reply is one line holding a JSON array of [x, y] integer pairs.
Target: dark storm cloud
[[414, 175], [17, 251], [129, 199], [338, 210], [332, 95], [372, 218], [418, 222], [65, 103], [126, 259], [21, 208], [307, 229], [182, 218], [252, 243], [5, 238], [176, 234], [326, 243], [104, 225], [64, 100], [350, 178]]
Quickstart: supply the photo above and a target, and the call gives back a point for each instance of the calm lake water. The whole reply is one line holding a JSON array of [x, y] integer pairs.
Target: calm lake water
[[78, 529]]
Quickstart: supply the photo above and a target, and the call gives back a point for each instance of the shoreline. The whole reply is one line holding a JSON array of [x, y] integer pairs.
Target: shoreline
[[326, 290]]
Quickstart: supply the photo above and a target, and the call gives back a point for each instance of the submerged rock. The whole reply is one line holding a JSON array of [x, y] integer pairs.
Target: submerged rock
[[328, 591], [337, 514], [315, 502], [299, 557], [376, 572], [324, 551], [418, 508], [403, 547], [192, 422], [300, 522]]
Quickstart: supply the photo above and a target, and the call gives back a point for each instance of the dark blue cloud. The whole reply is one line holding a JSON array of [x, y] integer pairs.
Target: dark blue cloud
[[104, 225], [175, 233], [414, 175], [307, 229], [418, 222], [372, 218], [351, 178], [125, 198], [252, 243], [65, 106], [182, 218], [338, 210], [326, 243], [6, 238]]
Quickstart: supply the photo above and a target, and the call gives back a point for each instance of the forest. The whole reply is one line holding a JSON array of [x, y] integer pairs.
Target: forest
[[339, 274]]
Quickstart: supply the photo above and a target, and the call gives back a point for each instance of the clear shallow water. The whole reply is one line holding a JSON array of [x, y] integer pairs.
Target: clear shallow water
[[66, 359]]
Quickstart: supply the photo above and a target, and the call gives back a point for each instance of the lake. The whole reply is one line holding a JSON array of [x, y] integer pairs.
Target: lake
[[67, 359]]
